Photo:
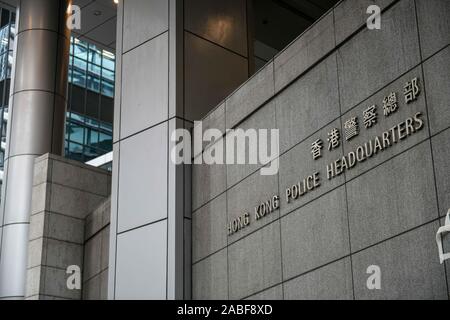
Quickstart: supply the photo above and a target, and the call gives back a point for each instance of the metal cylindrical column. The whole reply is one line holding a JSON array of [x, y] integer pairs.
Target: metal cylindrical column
[[36, 125]]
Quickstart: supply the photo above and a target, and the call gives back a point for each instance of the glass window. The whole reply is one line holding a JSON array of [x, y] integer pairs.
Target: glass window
[[79, 77], [80, 49], [93, 83], [108, 88], [108, 75], [80, 65], [95, 55], [92, 137], [108, 60], [93, 69], [76, 151], [76, 133]]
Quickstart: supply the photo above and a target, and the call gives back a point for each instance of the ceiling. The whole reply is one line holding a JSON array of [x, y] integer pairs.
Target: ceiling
[[98, 24], [278, 22]]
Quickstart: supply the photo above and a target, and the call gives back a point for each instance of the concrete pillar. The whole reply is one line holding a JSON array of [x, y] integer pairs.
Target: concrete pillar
[[176, 60], [35, 127]]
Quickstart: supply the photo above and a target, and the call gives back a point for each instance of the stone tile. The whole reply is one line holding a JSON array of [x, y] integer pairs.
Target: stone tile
[[57, 286], [251, 95], [291, 173], [409, 266], [311, 46], [205, 66], [65, 228], [188, 245], [437, 82], [350, 15], [80, 177], [441, 153], [386, 123], [255, 262], [72, 202], [37, 253], [245, 197], [93, 224], [332, 282], [209, 228], [105, 234], [143, 20], [210, 278], [92, 289], [141, 263], [381, 206], [61, 254], [40, 198], [262, 119], [42, 171], [434, 26], [204, 18], [360, 59], [308, 104], [104, 285], [35, 281], [214, 120], [315, 234], [208, 181], [143, 187], [38, 224], [146, 102], [275, 293], [92, 257]]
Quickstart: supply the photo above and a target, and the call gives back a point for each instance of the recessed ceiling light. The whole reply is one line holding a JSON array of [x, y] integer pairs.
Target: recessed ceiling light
[[97, 13]]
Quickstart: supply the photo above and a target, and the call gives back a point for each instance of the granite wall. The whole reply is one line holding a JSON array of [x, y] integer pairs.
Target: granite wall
[[383, 211]]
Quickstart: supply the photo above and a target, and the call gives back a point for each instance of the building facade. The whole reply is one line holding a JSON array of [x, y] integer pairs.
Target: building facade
[[352, 211]]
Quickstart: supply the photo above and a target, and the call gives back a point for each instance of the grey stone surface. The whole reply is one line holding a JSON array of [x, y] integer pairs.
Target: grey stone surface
[[437, 82], [204, 18], [92, 257], [214, 120], [72, 202], [210, 278], [37, 226], [136, 26], [298, 164], [360, 59], [92, 288], [434, 25], [104, 256], [244, 197], [350, 15], [308, 104], [65, 228], [250, 96], [208, 181], [441, 152], [61, 254], [141, 263], [384, 124], [393, 198], [34, 281], [42, 171], [409, 266], [209, 228], [205, 60], [40, 198], [104, 285], [57, 287], [264, 118], [145, 103], [147, 202], [37, 253], [311, 46], [315, 234], [82, 177], [332, 282], [275, 293], [255, 262]]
